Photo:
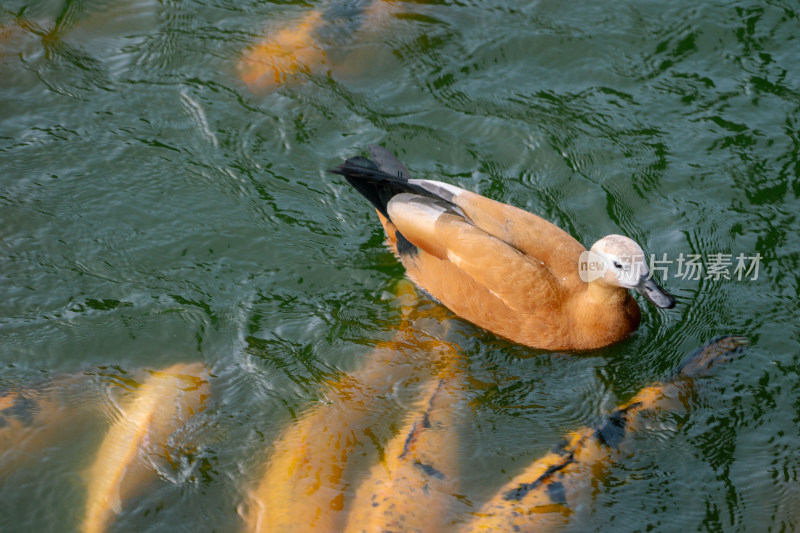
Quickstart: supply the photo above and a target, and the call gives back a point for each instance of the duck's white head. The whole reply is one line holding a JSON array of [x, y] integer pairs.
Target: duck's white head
[[618, 261]]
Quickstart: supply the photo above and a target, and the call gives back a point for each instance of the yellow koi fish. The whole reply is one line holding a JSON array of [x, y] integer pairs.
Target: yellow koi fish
[[303, 486], [287, 52], [306, 484], [414, 486], [165, 401], [538, 498], [300, 48]]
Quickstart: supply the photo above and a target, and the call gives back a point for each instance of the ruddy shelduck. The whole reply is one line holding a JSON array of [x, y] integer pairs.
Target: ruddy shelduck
[[503, 268]]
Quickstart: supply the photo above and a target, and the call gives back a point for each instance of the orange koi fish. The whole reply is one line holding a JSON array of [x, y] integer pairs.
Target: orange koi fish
[[538, 498], [28, 421], [164, 402], [306, 484], [300, 48], [414, 486]]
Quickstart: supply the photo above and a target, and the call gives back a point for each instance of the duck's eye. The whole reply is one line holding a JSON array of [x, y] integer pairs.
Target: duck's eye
[[617, 265]]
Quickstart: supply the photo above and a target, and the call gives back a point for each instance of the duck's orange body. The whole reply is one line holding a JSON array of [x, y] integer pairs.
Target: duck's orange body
[[498, 266]]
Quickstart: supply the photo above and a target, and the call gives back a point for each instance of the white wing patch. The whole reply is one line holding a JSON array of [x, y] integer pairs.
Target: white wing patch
[[439, 188], [407, 205]]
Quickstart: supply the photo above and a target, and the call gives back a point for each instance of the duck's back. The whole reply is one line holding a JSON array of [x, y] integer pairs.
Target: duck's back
[[532, 235]]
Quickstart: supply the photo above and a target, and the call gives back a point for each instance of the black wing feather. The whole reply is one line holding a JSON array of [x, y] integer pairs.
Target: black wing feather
[[374, 183]]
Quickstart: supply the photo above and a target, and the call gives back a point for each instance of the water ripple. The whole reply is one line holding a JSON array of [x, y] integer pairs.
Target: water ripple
[[154, 209]]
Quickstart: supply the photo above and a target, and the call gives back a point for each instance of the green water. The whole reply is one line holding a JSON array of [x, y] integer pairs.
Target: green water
[[154, 210]]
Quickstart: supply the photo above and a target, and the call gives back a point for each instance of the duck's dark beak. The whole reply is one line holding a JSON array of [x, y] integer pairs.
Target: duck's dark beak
[[655, 294]]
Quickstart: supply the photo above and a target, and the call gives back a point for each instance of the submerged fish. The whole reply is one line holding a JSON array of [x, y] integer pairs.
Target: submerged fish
[[27, 422], [301, 47], [414, 486], [287, 52], [22, 413], [39, 415], [538, 498], [306, 483], [164, 402]]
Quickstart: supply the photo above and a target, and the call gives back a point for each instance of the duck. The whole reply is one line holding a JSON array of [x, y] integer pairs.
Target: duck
[[502, 268]]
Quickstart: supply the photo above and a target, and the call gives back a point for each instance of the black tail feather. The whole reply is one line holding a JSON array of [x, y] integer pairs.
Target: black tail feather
[[374, 184], [387, 162]]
